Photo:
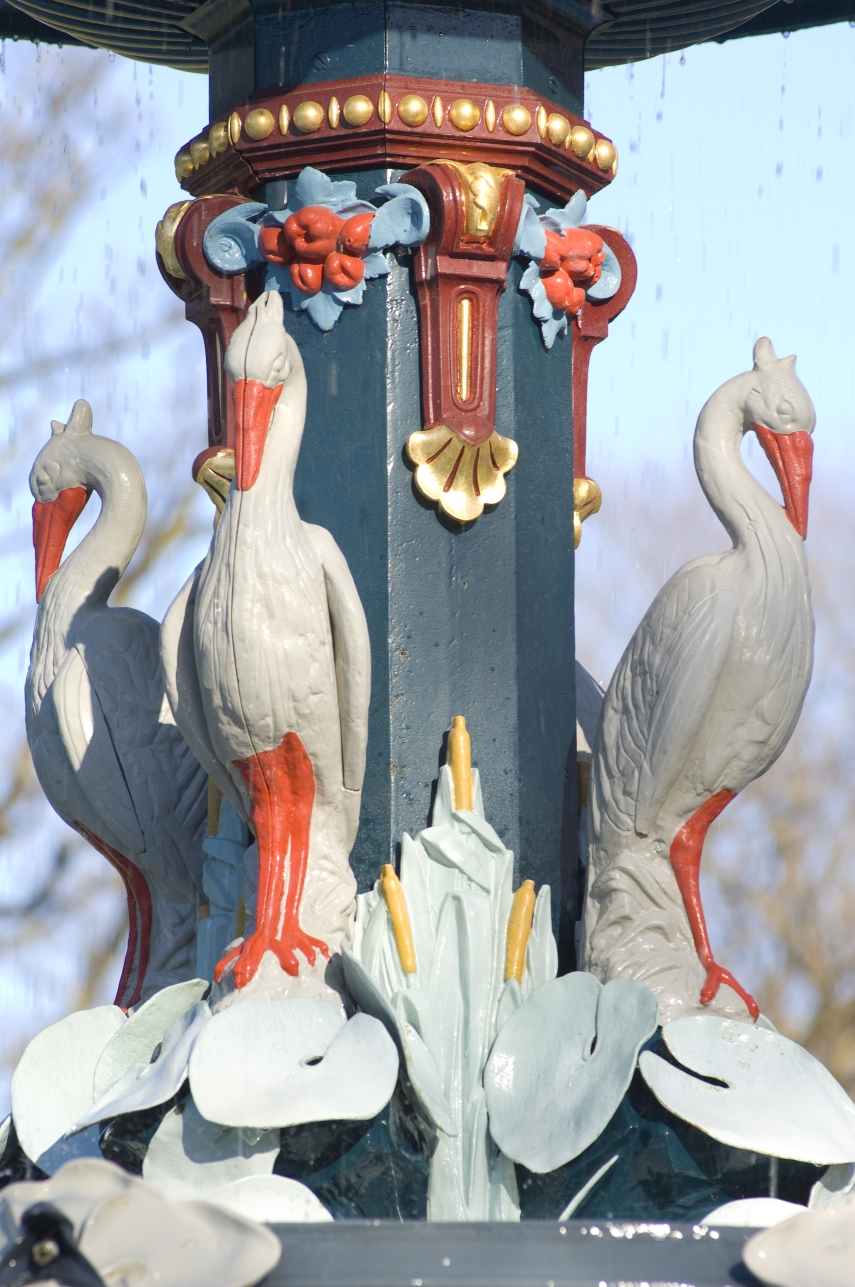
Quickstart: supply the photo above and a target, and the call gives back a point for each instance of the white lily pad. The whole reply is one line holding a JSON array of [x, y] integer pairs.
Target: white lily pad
[[291, 1060], [52, 1085], [753, 1213], [190, 1157], [136, 1041], [549, 1095], [77, 1189], [145, 1085], [270, 1199], [773, 1096], [816, 1249]]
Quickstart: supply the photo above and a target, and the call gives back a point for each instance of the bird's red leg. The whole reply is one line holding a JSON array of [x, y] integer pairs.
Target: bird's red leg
[[281, 786], [139, 915], [686, 850]]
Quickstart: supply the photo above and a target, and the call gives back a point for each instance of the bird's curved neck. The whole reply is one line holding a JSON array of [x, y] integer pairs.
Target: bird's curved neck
[[86, 579], [741, 503]]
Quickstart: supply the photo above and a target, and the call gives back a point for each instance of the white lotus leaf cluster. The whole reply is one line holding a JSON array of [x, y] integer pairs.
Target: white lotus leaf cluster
[[813, 1249], [561, 1065], [257, 1066], [123, 1224], [763, 1092], [457, 879]]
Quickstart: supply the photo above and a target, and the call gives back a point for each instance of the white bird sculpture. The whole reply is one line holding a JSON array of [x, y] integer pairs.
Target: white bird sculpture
[[703, 701], [267, 664], [105, 747]]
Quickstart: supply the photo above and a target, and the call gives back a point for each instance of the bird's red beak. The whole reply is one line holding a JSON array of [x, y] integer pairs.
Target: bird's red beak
[[52, 523], [254, 404], [791, 457]]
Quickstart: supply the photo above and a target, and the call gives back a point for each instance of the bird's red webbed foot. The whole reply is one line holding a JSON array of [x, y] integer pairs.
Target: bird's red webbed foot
[[248, 955], [716, 975]]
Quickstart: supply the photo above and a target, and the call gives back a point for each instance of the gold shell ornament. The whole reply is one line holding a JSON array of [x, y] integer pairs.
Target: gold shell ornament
[[164, 239], [460, 478], [587, 499]]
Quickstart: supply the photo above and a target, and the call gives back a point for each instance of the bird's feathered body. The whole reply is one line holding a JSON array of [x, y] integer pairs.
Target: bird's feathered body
[[282, 672], [105, 747], [703, 701]]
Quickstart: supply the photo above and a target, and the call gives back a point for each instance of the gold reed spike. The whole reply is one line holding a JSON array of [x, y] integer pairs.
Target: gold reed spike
[[215, 800], [519, 929], [459, 760], [395, 899], [204, 911], [240, 919]]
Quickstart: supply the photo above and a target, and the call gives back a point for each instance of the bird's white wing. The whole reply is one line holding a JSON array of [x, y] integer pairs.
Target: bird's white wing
[[89, 747], [181, 680], [686, 650], [352, 649], [589, 703]]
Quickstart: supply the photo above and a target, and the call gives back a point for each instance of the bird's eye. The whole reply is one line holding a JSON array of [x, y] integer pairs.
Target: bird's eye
[[784, 408]]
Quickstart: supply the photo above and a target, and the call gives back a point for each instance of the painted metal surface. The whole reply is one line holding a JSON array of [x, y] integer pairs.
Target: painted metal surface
[[703, 701], [753, 1089], [104, 744]]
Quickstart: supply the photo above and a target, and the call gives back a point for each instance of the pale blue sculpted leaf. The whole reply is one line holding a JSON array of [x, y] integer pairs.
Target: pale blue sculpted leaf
[[530, 239], [541, 954], [352, 296], [324, 309], [403, 221], [376, 265], [548, 1096], [282, 1062], [231, 240], [314, 188], [569, 216], [610, 279], [776, 1098], [279, 278], [145, 1085]]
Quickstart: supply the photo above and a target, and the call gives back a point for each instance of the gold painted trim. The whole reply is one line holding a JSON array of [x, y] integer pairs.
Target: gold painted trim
[[462, 479], [541, 119], [199, 152], [218, 138], [234, 127], [587, 499], [216, 477], [358, 110], [384, 107], [308, 117], [284, 119], [490, 115], [333, 112], [464, 114], [516, 119], [464, 348], [438, 112], [259, 124], [164, 238], [481, 187]]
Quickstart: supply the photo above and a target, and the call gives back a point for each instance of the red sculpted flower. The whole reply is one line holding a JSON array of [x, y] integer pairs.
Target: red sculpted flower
[[571, 264], [309, 278], [313, 232], [343, 271], [353, 238], [275, 246]]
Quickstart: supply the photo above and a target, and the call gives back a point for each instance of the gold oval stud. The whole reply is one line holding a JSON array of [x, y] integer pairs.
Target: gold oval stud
[[516, 119], [333, 112], [464, 114], [358, 110], [184, 166], [234, 127], [199, 153], [581, 140], [218, 138], [384, 107], [438, 112], [284, 119], [259, 123], [490, 115], [308, 117], [541, 119], [605, 154], [413, 110], [613, 170], [557, 127]]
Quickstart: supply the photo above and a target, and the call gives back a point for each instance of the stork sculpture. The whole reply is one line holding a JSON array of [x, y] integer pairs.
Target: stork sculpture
[[105, 747], [267, 664], [703, 701]]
